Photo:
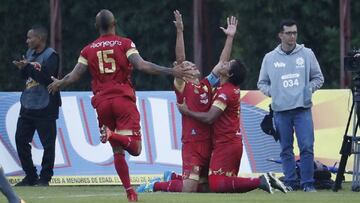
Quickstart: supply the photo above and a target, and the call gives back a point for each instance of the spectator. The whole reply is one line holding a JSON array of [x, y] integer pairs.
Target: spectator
[[289, 75]]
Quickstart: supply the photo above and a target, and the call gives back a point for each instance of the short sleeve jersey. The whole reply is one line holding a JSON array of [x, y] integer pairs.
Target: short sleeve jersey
[[198, 98], [108, 64], [227, 126]]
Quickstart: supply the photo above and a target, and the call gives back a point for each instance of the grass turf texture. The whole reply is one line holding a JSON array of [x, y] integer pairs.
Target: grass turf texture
[[109, 194]]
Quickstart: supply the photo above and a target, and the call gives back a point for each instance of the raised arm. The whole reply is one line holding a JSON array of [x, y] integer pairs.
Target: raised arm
[[230, 33], [179, 47], [179, 83], [70, 78], [178, 71]]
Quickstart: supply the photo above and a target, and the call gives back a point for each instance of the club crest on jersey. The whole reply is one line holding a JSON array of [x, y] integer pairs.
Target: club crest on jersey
[[193, 132], [300, 62], [278, 64]]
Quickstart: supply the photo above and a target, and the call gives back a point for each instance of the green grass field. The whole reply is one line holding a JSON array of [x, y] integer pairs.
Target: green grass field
[[109, 194]]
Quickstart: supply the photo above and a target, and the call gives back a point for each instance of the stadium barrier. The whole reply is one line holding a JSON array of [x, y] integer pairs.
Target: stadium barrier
[[82, 160]]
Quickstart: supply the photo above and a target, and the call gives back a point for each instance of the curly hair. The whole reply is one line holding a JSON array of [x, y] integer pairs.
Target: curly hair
[[238, 72]]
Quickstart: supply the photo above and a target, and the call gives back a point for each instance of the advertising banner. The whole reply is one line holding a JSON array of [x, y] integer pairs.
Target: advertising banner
[[82, 159]]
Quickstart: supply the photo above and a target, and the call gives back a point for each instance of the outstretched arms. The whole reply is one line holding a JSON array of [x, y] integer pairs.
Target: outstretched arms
[[70, 78], [139, 63], [230, 33], [178, 71]]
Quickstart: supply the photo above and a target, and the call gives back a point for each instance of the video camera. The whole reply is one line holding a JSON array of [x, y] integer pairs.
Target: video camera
[[352, 62]]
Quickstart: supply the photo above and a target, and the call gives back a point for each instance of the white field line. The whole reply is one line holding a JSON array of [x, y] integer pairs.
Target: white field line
[[54, 196]]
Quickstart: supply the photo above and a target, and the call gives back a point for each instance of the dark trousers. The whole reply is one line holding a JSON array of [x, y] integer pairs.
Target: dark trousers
[[24, 135]]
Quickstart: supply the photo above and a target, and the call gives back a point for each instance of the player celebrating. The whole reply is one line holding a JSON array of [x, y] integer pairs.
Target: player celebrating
[[196, 135], [110, 59], [224, 114]]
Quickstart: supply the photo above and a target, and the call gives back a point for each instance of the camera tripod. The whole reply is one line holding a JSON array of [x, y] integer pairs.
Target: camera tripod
[[351, 145]]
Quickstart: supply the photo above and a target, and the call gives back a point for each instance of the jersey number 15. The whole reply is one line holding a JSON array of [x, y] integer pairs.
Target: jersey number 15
[[104, 57]]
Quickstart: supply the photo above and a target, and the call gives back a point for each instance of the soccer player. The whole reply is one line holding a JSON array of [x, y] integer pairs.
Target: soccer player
[[224, 114], [196, 136], [110, 59]]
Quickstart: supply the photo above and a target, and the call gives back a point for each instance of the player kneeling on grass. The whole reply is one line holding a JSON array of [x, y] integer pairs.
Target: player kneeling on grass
[[224, 115], [196, 135]]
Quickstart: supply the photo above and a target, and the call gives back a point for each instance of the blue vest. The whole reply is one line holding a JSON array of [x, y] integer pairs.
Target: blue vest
[[36, 95]]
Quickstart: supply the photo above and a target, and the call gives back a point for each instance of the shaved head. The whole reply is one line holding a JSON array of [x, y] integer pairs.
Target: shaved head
[[105, 21]]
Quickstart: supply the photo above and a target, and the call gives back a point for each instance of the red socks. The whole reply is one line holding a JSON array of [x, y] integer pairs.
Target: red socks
[[227, 184], [122, 170], [169, 186]]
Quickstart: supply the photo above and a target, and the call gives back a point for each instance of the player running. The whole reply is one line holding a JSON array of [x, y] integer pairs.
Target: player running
[[110, 59]]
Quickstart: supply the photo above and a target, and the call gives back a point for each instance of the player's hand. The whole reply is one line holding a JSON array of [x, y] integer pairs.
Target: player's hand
[[183, 108], [20, 64], [178, 21], [184, 71], [231, 26], [54, 86]]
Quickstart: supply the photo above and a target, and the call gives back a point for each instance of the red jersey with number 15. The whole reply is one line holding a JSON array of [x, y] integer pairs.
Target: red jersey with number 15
[[107, 61], [227, 126]]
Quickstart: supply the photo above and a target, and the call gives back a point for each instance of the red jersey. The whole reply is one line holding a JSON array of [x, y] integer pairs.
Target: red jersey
[[227, 126], [198, 98], [107, 61]]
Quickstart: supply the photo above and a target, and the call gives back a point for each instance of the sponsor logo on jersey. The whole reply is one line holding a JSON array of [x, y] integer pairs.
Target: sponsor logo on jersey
[[279, 64], [204, 101], [204, 98], [290, 76], [111, 43], [300, 62]]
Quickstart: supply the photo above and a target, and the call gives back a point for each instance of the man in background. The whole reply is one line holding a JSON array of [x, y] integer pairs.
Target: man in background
[[290, 74], [39, 109]]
